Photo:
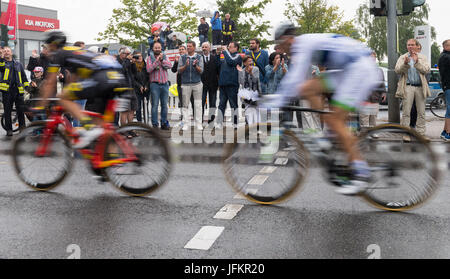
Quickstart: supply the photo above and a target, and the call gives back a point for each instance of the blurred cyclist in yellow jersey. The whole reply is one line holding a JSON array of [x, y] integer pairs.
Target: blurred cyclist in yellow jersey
[[91, 75]]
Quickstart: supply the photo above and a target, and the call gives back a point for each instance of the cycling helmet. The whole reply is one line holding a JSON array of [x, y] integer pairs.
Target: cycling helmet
[[55, 37], [285, 29]]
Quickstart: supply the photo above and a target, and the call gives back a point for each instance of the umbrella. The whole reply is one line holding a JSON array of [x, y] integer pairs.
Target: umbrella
[[180, 36], [160, 25]]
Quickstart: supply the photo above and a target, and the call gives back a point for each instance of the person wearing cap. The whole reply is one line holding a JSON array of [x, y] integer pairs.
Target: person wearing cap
[[155, 37], [35, 83], [34, 90], [348, 62], [216, 27]]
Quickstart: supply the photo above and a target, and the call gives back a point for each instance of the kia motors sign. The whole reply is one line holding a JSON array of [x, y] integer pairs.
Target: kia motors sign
[[39, 24]]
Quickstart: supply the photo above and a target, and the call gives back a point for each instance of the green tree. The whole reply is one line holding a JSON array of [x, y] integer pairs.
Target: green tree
[[246, 15], [131, 24], [316, 16], [435, 54], [374, 29]]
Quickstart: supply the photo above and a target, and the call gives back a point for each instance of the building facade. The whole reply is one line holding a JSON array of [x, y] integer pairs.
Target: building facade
[[32, 22]]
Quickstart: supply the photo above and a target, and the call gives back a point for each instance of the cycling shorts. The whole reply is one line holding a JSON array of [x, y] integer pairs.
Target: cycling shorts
[[104, 84], [351, 86]]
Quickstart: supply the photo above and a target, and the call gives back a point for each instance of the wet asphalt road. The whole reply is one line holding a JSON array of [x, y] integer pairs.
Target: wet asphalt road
[[103, 223]]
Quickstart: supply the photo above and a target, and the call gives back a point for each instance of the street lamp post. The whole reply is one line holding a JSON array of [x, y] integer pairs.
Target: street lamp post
[[394, 106]]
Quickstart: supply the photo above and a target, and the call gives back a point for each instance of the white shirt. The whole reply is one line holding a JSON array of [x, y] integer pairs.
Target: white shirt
[[332, 51], [207, 58]]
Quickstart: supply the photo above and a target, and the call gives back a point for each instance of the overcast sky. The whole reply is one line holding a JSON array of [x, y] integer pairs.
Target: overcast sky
[[84, 19]]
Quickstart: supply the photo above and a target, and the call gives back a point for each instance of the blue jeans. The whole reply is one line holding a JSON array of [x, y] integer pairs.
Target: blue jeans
[[203, 39], [228, 94], [447, 98], [82, 103], [160, 95]]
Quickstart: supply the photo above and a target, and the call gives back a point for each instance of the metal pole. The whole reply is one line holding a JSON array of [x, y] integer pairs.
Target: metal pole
[[17, 32], [394, 106]]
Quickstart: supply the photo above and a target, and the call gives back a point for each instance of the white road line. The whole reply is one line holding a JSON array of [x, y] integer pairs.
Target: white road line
[[268, 170], [205, 238], [258, 180], [249, 191], [228, 212], [282, 154], [281, 161]]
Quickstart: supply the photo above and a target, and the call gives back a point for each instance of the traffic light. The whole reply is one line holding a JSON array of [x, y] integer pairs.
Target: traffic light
[[378, 7], [409, 5], [6, 39]]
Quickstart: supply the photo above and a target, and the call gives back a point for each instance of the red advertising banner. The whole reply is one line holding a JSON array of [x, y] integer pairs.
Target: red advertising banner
[[34, 23], [9, 18]]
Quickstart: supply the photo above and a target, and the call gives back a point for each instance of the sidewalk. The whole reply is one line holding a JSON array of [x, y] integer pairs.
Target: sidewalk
[[434, 127]]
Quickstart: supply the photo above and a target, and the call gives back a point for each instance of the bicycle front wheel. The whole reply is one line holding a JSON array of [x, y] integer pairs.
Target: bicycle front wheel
[[43, 172], [152, 167], [264, 165], [439, 107], [404, 167]]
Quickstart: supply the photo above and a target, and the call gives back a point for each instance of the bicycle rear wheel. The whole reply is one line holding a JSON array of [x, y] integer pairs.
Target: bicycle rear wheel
[[405, 169], [150, 171], [439, 107], [46, 172], [265, 167]]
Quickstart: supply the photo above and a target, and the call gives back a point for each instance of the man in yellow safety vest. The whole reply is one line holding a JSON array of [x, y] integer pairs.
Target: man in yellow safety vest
[[13, 82], [228, 29]]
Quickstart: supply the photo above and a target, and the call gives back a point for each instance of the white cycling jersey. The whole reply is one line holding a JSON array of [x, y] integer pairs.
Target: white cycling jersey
[[335, 52]]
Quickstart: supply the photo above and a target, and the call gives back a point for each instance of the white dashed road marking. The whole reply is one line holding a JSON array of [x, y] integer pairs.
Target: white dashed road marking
[[281, 161], [282, 154], [228, 212], [205, 238], [268, 170], [258, 180]]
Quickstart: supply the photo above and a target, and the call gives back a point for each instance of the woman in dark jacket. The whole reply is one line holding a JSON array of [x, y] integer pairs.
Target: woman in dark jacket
[[141, 79]]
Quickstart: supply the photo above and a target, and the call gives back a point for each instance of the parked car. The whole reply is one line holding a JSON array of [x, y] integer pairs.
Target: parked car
[[435, 85]]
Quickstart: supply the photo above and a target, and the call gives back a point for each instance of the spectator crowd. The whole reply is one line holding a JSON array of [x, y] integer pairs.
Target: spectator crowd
[[216, 74]]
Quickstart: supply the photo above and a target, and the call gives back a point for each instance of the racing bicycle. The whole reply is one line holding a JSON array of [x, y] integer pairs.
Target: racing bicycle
[[43, 154], [268, 164]]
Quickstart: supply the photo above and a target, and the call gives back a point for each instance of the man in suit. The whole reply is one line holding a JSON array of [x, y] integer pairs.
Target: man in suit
[[210, 79]]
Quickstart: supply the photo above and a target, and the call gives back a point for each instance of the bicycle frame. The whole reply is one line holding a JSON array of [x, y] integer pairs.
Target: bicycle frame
[[312, 145], [95, 156]]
